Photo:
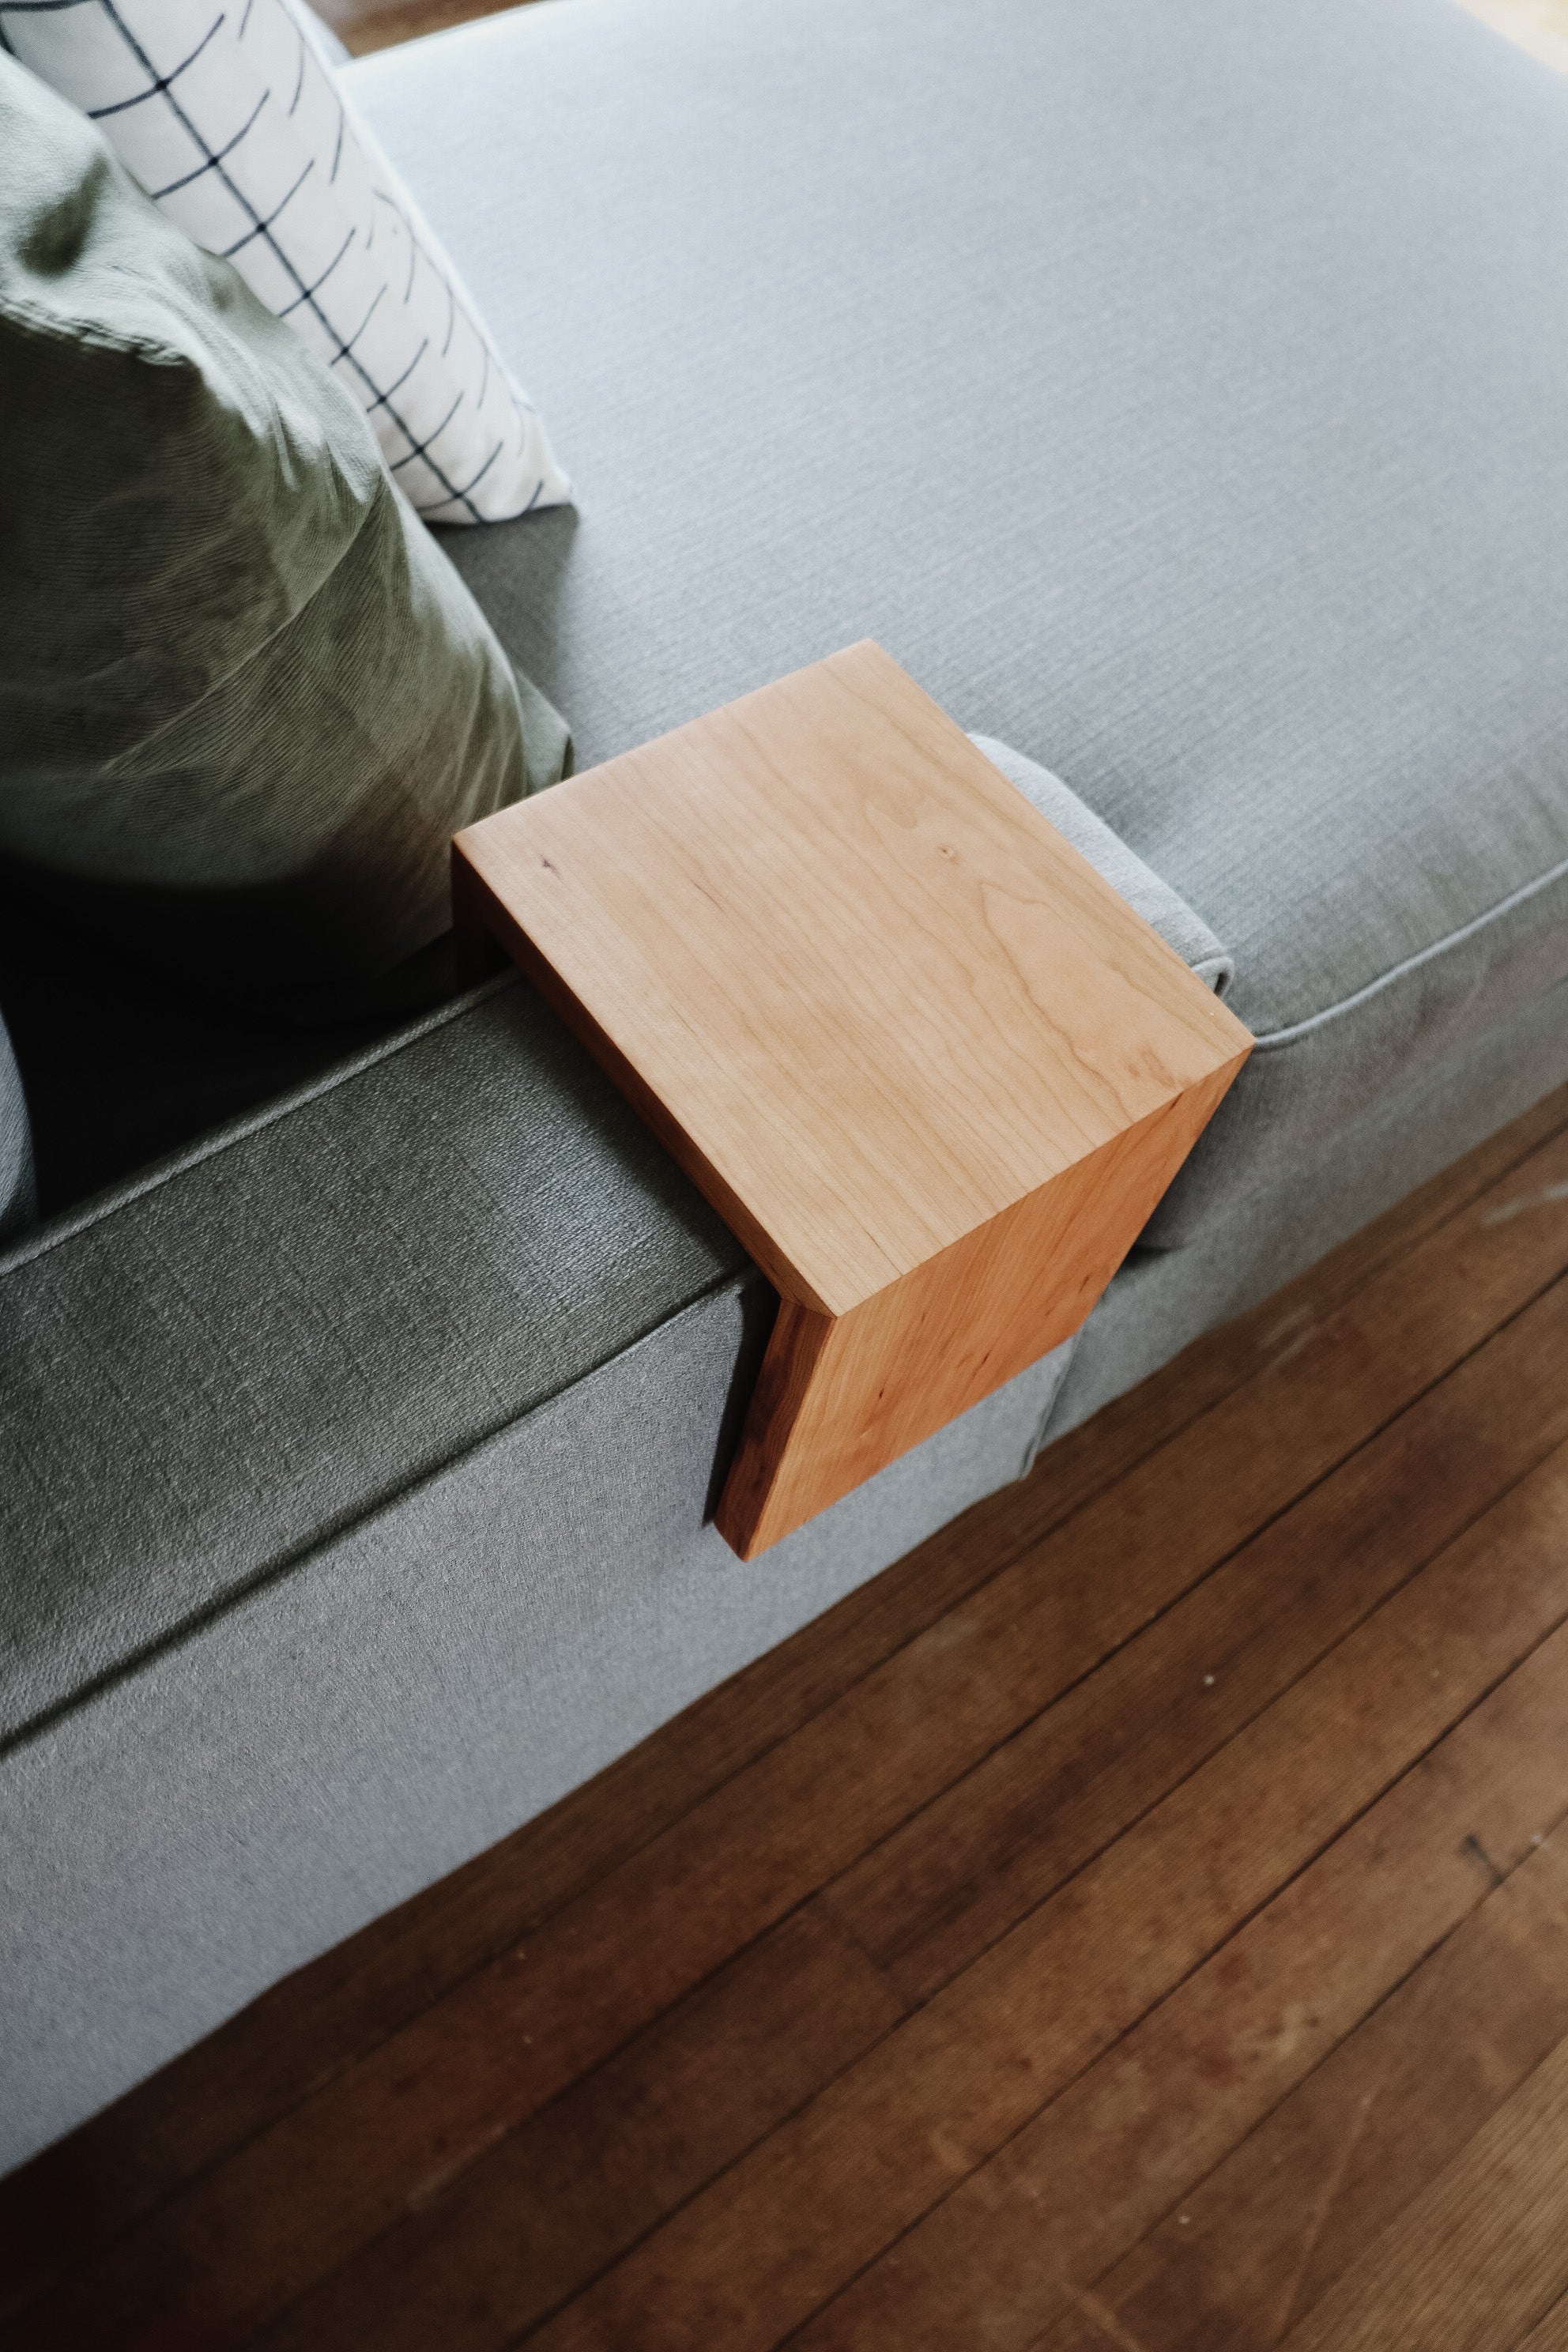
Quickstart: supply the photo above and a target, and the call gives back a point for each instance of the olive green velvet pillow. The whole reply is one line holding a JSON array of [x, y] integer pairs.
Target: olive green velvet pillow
[[245, 700]]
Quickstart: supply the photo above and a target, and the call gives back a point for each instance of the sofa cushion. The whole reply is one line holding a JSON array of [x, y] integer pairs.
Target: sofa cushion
[[1176, 389], [1162, 908], [244, 699], [232, 121]]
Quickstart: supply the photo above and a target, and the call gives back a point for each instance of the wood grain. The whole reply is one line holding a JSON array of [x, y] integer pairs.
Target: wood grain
[[945, 1885], [833, 1405], [1255, 2245], [1479, 2256], [929, 1067], [1539, 26], [1020, 2249], [520, 2232], [792, 2224], [878, 998], [376, 2114], [1551, 2334], [916, 1713], [1117, 1775]]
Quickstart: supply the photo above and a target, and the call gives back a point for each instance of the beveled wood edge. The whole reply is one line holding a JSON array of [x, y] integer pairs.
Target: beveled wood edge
[[484, 927], [487, 934], [748, 1515]]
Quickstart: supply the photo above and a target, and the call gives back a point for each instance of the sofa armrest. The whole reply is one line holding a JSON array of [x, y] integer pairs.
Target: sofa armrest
[[207, 1372]]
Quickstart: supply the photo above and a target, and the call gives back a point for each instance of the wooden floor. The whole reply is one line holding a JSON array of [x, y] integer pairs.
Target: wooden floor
[[1137, 1919], [1538, 26]]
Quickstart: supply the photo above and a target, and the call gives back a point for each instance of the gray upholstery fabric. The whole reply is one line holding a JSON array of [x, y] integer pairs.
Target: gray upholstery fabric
[[16, 1193], [326, 1303], [411, 1688], [1162, 1300], [516, 1621], [206, 1375], [1175, 390], [1164, 909]]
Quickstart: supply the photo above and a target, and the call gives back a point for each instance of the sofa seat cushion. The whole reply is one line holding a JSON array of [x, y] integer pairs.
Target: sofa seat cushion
[[1175, 390]]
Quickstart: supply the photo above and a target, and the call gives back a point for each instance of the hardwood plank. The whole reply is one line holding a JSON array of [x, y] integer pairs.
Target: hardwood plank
[[1479, 2256], [958, 1874], [1025, 2239], [365, 25], [1221, 1361], [924, 1061], [1551, 2334], [793, 2222], [584, 2181], [1269, 2229], [765, 1840], [1405, 1495], [309, 2029], [1539, 26]]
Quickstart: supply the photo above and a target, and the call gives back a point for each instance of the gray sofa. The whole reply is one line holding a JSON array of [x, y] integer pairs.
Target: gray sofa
[[1177, 388]]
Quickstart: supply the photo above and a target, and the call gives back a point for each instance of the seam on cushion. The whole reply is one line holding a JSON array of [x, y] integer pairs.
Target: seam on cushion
[[108, 1204], [374, 506], [87, 334], [1292, 1034], [293, 1560], [90, 334]]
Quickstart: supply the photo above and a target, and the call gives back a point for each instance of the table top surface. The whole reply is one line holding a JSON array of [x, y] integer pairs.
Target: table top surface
[[870, 995]]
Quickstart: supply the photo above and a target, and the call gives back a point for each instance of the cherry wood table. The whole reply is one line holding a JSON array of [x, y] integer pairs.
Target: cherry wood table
[[932, 1071]]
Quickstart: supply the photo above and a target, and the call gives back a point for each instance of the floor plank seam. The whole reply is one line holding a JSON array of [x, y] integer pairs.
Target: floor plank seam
[[912, 2009], [1410, 1765], [798, 2329], [885, 1642], [1193, 2188]]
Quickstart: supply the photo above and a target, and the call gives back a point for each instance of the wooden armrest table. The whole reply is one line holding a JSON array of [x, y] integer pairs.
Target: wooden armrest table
[[928, 1066]]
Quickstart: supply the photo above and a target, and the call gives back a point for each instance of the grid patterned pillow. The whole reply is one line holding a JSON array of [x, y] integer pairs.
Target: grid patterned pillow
[[232, 119]]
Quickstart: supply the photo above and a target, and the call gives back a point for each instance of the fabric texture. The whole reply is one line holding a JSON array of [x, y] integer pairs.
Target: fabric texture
[[17, 1193], [1163, 1300], [1189, 377], [512, 1225], [1162, 908], [309, 1315], [245, 700], [521, 1615], [521, 1618], [233, 121]]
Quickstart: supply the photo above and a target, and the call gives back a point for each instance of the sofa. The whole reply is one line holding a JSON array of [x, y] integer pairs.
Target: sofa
[[1177, 391]]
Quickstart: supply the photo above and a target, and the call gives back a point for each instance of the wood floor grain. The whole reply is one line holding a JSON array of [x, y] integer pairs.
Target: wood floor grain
[[289, 2046], [1112, 1925], [1478, 2256], [1552, 2334], [1539, 26]]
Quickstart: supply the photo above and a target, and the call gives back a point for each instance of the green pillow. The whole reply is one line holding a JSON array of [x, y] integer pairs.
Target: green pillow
[[245, 700]]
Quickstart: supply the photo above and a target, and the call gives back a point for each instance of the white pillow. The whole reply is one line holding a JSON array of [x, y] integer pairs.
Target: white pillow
[[232, 119]]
